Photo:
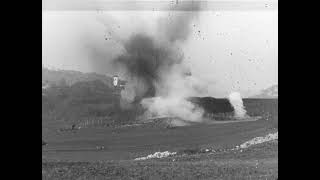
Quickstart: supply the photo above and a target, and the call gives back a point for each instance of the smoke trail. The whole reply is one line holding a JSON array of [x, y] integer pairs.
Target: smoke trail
[[237, 103]]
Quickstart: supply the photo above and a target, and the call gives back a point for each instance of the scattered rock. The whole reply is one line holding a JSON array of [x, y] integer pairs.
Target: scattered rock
[[258, 140], [157, 155]]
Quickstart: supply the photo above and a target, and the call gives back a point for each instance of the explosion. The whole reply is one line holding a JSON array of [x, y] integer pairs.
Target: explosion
[[157, 77]]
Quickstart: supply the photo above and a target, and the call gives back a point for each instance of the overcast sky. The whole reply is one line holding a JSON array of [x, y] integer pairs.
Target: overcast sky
[[233, 50]]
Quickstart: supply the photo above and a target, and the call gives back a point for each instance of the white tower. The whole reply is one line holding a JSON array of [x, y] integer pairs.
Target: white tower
[[115, 81]]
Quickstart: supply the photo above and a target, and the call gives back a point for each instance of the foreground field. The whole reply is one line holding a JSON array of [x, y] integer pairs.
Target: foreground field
[[257, 162], [78, 154]]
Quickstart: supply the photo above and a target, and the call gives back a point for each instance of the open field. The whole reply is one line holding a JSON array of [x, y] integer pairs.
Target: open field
[[79, 153], [257, 162]]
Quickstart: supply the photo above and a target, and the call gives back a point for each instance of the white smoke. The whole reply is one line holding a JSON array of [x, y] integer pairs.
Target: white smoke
[[173, 107], [171, 96], [237, 103]]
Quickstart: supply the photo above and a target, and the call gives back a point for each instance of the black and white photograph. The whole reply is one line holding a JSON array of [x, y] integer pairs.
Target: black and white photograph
[[159, 89]]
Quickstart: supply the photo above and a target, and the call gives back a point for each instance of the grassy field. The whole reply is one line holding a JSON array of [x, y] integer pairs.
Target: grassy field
[[74, 154], [257, 162]]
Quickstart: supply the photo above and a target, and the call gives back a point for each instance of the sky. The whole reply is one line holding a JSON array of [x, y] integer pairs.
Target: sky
[[232, 50]]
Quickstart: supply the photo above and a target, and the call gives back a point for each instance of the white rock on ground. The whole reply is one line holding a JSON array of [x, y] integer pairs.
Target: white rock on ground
[[258, 140], [157, 155]]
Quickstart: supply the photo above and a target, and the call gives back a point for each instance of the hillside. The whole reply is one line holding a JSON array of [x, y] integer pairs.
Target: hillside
[[82, 99], [269, 93], [69, 77], [212, 105], [64, 105]]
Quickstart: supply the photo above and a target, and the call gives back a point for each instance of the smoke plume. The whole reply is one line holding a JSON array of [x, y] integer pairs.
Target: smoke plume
[[237, 103], [155, 71]]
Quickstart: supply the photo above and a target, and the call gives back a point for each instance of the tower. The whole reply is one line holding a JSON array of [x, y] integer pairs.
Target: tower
[[115, 80], [117, 91]]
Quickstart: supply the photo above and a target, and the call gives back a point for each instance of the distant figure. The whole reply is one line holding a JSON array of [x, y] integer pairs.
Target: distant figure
[[100, 147], [73, 126], [111, 113]]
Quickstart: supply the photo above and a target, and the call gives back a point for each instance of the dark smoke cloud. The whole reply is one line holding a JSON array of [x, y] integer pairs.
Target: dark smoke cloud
[[146, 58]]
